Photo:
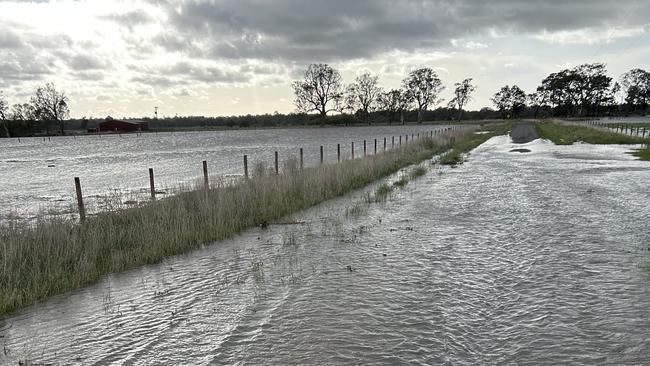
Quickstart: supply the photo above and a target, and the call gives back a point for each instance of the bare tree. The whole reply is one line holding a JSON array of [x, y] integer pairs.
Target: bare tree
[[51, 105], [4, 108], [462, 95], [365, 91], [423, 86], [320, 91]]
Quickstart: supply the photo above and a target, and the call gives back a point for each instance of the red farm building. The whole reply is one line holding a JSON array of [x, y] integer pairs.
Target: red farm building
[[114, 125]]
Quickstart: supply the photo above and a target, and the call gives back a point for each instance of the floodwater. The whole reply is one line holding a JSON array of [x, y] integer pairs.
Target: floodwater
[[36, 174], [511, 258]]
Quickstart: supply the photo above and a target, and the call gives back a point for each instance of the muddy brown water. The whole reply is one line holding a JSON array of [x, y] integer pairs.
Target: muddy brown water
[[537, 258]]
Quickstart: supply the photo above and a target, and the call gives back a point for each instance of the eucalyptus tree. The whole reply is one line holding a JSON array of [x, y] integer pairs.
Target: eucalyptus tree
[[320, 91], [462, 95], [51, 106], [4, 109], [393, 102], [423, 87], [636, 88], [364, 93], [509, 100]]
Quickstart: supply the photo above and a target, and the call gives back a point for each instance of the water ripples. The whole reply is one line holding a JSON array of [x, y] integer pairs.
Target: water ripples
[[508, 259]]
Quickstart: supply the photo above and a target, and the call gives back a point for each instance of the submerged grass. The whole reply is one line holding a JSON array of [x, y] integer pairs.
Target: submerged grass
[[642, 154], [53, 256], [567, 134]]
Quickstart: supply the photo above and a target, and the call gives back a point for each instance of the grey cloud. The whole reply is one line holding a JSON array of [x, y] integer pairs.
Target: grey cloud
[[130, 19], [302, 31]]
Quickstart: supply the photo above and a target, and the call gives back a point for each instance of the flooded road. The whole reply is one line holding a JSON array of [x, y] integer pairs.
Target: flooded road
[[36, 176], [511, 258]]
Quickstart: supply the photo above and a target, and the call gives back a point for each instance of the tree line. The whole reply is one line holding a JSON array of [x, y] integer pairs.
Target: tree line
[[582, 91]]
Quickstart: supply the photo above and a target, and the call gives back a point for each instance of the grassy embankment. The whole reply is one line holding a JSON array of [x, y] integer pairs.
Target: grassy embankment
[[567, 134], [57, 255]]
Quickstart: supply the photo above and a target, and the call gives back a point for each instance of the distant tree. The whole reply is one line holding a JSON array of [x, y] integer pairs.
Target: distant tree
[[364, 93], [537, 101], [4, 110], [423, 87], [394, 102], [636, 88], [509, 100], [320, 91], [462, 95], [51, 105], [580, 91]]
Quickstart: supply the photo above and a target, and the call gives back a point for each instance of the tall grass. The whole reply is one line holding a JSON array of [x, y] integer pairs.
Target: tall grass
[[57, 255]]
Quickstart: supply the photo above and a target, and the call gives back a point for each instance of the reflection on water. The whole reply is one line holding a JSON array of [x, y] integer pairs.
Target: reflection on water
[[38, 175], [538, 258]]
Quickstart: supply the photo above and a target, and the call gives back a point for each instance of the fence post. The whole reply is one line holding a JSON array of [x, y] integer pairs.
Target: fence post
[[364, 148], [246, 166], [375, 146], [80, 200], [152, 185], [206, 181], [384, 144], [277, 168], [301, 160], [352, 150], [338, 152], [400, 140], [321, 154], [407, 139], [392, 142]]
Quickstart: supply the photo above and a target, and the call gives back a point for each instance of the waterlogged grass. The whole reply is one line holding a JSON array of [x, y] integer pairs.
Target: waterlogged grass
[[383, 191], [459, 148], [567, 134], [417, 172], [642, 154], [56, 255]]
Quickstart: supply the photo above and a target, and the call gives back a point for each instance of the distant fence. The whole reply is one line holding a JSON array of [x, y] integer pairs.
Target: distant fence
[[276, 168]]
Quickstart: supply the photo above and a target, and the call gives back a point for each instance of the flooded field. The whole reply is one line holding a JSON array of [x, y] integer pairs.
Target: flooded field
[[511, 258], [37, 175]]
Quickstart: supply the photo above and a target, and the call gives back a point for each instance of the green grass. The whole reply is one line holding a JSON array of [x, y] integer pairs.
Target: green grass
[[56, 255], [417, 172], [567, 134], [383, 191], [642, 154]]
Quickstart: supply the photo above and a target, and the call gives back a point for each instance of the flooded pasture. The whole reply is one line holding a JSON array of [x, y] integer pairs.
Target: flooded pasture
[[37, 174], [536, 257]]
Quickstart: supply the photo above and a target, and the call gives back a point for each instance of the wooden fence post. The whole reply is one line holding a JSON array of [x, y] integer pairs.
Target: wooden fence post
[[246, 166], [384, 144], [392, 142], [338, 152], [364, 148], [80, 200], [352, 150], [400, 140], [375, 146], [321, 154], [302, 161], [206, 181], [152, 185], [277, 168]]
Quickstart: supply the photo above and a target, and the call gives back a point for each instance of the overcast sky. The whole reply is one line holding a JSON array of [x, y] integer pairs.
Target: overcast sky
[[225, 57]]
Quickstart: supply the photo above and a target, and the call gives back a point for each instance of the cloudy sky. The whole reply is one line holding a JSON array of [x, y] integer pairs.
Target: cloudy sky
[[231, 57]]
